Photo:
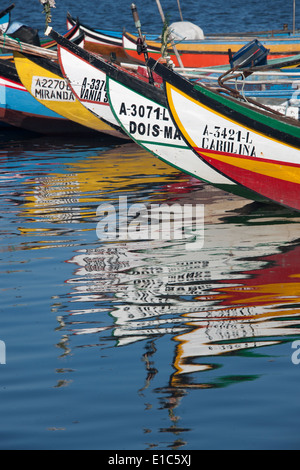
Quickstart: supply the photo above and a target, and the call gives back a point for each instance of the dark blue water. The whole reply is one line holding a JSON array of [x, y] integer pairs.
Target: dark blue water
[[216, 16], [142, 344]]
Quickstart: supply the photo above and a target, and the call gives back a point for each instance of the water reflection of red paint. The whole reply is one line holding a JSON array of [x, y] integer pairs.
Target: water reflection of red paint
[[277, 283]]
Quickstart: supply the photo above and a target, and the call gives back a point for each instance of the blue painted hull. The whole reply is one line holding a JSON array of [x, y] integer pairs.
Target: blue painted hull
[[20, 109]]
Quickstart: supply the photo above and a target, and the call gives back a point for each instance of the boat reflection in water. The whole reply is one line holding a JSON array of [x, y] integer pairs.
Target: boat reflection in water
[[260, 309], [236, 295], [239, 292], [211, 302]]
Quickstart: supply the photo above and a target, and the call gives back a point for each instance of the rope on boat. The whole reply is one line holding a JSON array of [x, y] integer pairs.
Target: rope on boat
[[8, 42], [236, 72]]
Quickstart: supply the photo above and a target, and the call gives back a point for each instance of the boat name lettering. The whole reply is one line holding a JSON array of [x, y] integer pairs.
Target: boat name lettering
[[149, 112], [228, 140], [51, 89], [93, 90], [153, 130]]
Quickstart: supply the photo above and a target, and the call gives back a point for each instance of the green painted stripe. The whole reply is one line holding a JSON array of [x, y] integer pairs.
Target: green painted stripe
[[135, 92], [251, 113], [140, 142], [145, 142], [233, 189]]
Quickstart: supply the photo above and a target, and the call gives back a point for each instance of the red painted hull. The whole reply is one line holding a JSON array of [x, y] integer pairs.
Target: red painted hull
[[276, 189]]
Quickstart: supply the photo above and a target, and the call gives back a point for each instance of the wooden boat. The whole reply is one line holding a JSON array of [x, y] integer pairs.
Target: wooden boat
[[107, 43], [87, 82], [73, 34], [276, 88], [19, 109], [255, 148], [43, 79], [212, 51], [139, 108]]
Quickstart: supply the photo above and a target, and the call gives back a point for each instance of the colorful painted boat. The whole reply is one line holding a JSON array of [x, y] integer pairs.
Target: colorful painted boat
[[5, 18], [87, 82], [140, 109], [19, 109], [107, 43], [276, 88], [43, 79], [254, 148], [211, 51], [73, 34]]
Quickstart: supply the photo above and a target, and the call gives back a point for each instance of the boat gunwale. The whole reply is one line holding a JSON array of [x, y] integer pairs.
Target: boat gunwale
[[114, 71], [225, 106]]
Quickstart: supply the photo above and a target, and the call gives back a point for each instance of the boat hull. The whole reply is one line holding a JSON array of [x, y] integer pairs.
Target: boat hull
[[253, 148], [44, 81], [144, 116], [106, 43], [19, 109], [208, 52], [88, 84]]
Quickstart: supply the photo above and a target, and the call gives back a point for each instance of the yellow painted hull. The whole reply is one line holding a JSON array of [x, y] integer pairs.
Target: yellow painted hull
[[60, 99]]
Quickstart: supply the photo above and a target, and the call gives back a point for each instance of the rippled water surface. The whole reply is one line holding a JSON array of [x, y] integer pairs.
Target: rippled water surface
[[141, 344]]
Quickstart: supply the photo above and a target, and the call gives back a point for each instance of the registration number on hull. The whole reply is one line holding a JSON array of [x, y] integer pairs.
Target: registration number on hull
[[51, 89]]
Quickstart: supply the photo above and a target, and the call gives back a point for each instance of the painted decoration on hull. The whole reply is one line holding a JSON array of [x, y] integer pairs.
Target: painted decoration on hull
[[20, 109], [253, 148], [103, 42], [149, 124], [89, 86], [210, 51]]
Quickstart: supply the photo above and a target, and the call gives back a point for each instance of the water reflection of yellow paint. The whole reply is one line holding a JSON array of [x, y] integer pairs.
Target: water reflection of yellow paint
[[60, 196], [239, 293]]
